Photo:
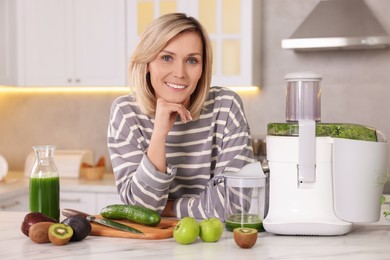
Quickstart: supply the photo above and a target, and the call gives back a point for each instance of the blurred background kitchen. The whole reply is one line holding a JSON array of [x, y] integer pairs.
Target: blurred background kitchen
[[62, 63]]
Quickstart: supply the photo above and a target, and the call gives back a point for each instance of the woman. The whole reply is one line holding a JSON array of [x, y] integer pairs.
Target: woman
[[173, 133]]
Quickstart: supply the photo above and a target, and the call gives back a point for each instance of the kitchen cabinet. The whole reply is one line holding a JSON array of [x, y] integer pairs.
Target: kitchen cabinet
[[8, 38], [233, 27], [82, 201], [105, 199], [67, 42], [89, 202], [75, 193], [15, 203]]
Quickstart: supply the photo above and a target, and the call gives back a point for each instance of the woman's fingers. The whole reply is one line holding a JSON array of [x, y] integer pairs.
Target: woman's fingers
[[184, 114], [170, 110]]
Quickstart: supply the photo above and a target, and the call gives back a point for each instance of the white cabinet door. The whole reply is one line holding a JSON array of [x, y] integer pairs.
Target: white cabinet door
[[88, 202], [234, 30], [74, 42], [17, 203], [81, 201], [8, 39], [48, 42], [105, 199], [99, 31]]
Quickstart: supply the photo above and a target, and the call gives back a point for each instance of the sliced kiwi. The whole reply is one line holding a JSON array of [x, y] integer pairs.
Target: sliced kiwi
[[80, 225], [245, 237], [60, 234]]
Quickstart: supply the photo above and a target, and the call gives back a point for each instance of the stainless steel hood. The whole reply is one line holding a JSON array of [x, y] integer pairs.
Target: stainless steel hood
[[338, 24]]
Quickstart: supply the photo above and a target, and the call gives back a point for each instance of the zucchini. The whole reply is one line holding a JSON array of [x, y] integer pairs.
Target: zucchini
[[135, 213]]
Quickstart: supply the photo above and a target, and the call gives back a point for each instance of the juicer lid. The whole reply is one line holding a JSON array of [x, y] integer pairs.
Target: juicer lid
[[303, 76], [244, 180], [251, 175]]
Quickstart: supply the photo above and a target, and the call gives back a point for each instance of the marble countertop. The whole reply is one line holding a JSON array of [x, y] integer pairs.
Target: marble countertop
[[16, 184], [364, 242]]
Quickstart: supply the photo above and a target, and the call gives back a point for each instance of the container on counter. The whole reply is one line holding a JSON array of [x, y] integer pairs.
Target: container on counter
[[245, 203], [45, 183]]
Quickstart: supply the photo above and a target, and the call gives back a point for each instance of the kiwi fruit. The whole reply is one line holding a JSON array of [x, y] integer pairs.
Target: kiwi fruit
[[60, 234], [80, 225], [245, 237], [39, 232]]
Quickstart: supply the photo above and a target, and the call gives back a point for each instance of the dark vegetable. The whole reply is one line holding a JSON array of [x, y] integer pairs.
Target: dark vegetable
[[133, 213], [32, 218], [80, 225]]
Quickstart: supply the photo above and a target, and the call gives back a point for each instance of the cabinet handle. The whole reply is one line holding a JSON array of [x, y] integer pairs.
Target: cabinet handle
[[78, 80], [69, 80], [9, 205], [71, 200]]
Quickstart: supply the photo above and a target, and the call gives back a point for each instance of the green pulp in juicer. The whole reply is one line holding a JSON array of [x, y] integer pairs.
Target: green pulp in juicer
[[246, 220], [335, 130]]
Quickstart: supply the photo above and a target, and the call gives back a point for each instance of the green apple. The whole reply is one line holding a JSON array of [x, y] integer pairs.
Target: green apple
[[186, 231], [211, 230]]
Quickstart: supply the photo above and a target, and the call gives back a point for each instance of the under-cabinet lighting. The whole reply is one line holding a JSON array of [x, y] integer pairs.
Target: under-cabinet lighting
[[11, 89], [244, 89]]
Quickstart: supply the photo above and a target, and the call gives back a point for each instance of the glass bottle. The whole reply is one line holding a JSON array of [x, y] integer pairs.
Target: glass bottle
[[45, 183]]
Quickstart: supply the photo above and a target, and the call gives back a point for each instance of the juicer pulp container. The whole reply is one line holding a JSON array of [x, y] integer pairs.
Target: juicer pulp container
[[347, 188], [359, 174]]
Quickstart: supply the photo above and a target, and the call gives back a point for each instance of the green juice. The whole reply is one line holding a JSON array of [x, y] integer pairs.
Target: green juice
[[45, 196], [246, 220]]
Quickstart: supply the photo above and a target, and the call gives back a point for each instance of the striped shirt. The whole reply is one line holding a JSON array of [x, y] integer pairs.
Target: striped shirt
[[218, 141]]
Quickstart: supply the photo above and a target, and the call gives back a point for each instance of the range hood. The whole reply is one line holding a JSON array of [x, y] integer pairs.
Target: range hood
[[338, 24]]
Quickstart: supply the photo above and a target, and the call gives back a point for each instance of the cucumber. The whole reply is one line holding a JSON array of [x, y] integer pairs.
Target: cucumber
[[137, 214]]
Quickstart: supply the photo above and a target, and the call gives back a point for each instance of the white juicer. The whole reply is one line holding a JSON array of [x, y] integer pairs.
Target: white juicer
[[323, 177]]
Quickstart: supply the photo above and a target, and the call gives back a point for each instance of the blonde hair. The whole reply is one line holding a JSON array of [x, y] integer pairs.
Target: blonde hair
[[152, 41]]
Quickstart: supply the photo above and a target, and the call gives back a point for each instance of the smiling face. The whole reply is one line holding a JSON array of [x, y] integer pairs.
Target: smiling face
[[175, 72]]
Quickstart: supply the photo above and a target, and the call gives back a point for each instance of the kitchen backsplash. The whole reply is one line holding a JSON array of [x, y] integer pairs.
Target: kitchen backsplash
[[67, 120]]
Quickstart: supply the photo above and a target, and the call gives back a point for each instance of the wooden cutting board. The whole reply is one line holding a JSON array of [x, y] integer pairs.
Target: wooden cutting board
[[163, 230]]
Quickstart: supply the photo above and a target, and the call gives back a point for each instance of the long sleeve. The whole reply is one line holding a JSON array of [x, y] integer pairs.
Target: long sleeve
[[137, 180]]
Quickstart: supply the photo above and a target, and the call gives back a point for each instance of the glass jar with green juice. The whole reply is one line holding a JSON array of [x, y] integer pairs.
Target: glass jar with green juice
[[245, 198], [45, 183]]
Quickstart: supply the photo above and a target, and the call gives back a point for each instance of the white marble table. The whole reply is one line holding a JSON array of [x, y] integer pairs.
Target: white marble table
[[366, 242]]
